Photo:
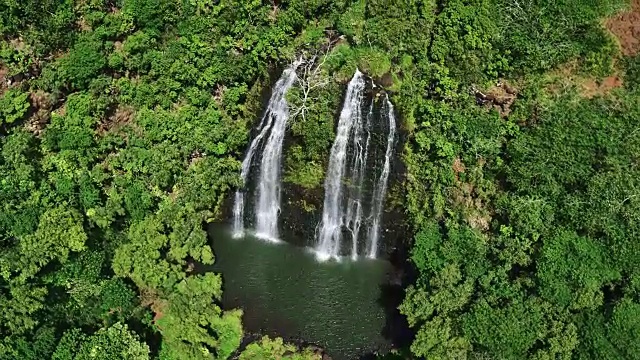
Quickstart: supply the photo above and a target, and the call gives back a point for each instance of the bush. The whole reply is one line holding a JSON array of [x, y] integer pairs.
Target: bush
[[14, 104]]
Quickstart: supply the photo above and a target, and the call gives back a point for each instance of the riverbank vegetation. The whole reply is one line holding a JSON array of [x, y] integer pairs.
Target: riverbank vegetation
[[122, 127]]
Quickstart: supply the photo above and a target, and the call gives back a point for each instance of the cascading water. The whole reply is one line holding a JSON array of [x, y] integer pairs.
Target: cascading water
[[344, 214], [346, 180], [353, 216], [273, 123], [381, 184], [330, 232]]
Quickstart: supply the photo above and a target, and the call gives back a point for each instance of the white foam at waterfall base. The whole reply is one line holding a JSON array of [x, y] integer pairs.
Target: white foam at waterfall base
[[323, 256]]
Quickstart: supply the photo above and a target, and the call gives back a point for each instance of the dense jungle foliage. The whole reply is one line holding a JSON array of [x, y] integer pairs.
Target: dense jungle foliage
[[123, 123]]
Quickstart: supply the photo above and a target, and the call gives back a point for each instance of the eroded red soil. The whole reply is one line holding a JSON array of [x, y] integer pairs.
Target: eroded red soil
[[626, 28]]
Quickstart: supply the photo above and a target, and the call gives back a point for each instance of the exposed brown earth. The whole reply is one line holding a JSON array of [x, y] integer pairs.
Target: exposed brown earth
[[568, 76], [40, 112], [3, 78], [626, 28], [464, 195], [458, 167], [592, 88], [121, 117], [149, 297], [386, 80], [499, 97], [83, 25]]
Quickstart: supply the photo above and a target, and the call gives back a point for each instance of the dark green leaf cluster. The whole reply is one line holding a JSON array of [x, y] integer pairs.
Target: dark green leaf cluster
[[525, 211]]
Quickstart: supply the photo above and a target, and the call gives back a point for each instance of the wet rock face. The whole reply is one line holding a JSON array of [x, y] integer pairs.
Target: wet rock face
[[386, 80], [301, 210]]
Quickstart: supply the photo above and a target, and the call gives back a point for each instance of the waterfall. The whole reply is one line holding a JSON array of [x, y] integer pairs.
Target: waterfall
[[330, 232], [353, 216], [349, 195], [273, 123], [352, 142], [381, 184]]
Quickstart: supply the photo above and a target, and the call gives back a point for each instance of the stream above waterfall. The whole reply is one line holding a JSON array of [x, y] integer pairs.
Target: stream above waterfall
[[284, 291]]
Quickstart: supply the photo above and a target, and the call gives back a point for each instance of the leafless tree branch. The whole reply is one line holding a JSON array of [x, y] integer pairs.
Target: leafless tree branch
[[311, 78]]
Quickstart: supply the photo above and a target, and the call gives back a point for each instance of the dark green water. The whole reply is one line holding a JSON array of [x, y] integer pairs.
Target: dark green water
[[284, 291]]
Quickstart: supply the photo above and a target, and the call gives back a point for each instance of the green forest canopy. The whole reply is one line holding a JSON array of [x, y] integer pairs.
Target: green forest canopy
[[122, 125]]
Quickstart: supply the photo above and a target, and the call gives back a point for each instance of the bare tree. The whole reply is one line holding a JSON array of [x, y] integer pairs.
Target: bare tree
[[311, 78]]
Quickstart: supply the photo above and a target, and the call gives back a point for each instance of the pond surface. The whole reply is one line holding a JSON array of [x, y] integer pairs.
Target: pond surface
[[284, 291]]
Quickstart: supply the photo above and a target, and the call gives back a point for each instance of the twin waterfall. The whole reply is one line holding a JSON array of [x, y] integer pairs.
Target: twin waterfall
[[356, 180]]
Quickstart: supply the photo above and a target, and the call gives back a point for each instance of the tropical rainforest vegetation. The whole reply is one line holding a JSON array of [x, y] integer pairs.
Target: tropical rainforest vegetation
[[122, 128]]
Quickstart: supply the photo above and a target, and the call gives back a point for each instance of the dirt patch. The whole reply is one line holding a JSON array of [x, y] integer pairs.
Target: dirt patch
[[386, 80], [39, 113], [158, 308], [149, 297], [40, 100], [83, 25], [458, 167], [592, 88], [4, 71], [626, 28], [121, 117], [499, 97], [18, 43], [465, 196], [568, 76], [62, 110], [473, 208]]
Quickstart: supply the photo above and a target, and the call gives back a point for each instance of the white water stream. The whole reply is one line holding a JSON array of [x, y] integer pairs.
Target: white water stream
[[333, 214], [273, 124], [381, 185]]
